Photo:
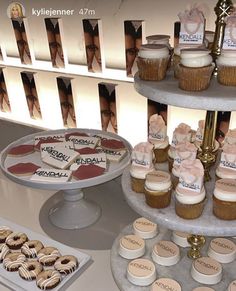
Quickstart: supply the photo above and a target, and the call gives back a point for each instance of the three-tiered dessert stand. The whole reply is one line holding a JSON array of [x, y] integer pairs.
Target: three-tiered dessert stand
[[216, 98]]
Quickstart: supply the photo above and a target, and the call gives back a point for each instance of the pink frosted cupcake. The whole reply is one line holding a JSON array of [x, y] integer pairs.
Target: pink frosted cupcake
[[153, 61], [195, 69], [181, 134], [183, 151], [158, 137], [190, 192], [141, 164], [227, 165]]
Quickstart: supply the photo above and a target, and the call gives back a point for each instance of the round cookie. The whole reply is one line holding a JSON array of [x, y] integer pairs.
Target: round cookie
[[5, 231], [4, 250], [166, 253], [13, 261], [131, 246], [30, 270], [145, 228], [31, 248], [232, 286], [222, 250], [164, 284], [48, 256], [16, 240], [141, 272], [206, 271], [48, 279], [66, 264]]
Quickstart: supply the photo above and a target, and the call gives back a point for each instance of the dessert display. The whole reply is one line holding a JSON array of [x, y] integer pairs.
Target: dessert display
[[131, 247], [226, 64], [190, 191], [165, 284], [180, 238], [166, 253], [158, 137], [222, 250], [206, 270], [65, 156], [224, 199], [141, 272], [145, 228], [141, 164], [153, 61], [39, 261], [157, 189]]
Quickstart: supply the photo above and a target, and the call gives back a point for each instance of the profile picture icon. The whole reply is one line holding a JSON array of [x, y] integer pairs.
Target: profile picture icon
[[15, 10]]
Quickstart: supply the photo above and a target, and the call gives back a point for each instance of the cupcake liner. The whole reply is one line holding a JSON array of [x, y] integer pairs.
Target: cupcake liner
[[152, 69], [176, 61], [137, 185], [226, 75], [161, 155], [195, 79], [225, 210], [161, 200], [189, 211]]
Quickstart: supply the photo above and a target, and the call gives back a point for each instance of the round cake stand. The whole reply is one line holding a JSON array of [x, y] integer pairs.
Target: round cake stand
[[179, 272], [207, 224], [74, 211]]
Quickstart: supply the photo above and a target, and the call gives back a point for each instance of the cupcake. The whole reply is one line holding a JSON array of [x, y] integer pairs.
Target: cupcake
[[141, 164], [198, 139], [158, 137], [224, 199], [226, 64], [227, 165], [153, 61], [195, 69], [157, 189], [183, 151], [181, 133], [190, 192], [176, 56]]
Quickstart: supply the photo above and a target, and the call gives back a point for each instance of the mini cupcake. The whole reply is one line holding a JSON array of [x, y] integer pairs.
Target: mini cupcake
[[195, 69], [158, 137], [199, 138], [158, 189], [141, 164], [153, 61], [181, 133], [190, 192], [227, 165], [224, 199], [176, 56], [161, 39], [226, 64], [183, 151]]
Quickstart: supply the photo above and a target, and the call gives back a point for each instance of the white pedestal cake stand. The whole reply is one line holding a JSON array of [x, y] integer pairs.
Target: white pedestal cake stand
[[74, 211]]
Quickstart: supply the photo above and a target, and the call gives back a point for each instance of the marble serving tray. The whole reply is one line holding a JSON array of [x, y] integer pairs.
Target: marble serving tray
[[179, 272], [13, 280]]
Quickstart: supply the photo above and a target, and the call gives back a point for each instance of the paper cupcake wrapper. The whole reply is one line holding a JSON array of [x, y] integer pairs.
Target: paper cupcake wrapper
[[195, 79], [225, 210], [152, 69], [226, 75], [189, 211], [176, 62]]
